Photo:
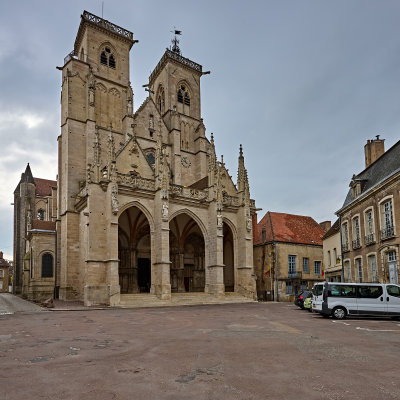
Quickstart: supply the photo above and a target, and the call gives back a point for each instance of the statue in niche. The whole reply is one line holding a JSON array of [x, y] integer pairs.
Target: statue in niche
[[164, 211], [92, 87], [114, 199], [129, 105], [219, 221], [248, 221]]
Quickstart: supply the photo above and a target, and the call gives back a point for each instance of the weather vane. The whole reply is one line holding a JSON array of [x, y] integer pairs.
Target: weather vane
[[175, 41]]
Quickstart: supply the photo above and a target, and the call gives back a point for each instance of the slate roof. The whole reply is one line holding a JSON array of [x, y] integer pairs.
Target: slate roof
[[289, 228], [332, 231], [43, 225], [385, 166], [43, 186]]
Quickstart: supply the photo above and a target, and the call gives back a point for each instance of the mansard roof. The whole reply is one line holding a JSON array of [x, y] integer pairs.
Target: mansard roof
[[43, 186], [383, 168], [289, 228]]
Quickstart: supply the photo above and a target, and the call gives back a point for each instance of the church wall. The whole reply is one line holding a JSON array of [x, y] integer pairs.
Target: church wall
[[39, 288]]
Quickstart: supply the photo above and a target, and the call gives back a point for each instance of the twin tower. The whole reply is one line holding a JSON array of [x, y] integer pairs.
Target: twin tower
[[143, 204]]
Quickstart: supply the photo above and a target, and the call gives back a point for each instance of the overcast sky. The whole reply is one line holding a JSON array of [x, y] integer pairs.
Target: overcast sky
[[301, 84]]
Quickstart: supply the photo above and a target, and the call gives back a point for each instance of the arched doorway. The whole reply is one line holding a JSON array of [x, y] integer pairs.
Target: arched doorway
[[134, 252], [186, 245], [229, 270]]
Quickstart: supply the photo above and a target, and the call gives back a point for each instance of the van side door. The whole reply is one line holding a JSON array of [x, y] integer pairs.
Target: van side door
[[392, 300], [370, 300]]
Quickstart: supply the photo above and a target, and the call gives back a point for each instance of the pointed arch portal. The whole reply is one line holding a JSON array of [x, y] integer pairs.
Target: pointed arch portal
[[229, 270], [187, 258], [134, 252]]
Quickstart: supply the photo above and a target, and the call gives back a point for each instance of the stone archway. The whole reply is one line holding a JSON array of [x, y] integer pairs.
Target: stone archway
[[229, 259], [134, 251], [187, 255]]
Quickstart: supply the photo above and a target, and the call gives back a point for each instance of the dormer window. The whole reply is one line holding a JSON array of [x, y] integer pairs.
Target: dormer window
[[107, 58]]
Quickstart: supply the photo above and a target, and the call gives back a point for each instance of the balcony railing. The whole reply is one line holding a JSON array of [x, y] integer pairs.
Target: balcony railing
[[295, 274], [356, 243], [370, 239], [387, 233]]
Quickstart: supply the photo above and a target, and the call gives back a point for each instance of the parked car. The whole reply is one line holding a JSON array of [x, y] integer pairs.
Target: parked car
[[299, 300], [362, 299], [308, 302]]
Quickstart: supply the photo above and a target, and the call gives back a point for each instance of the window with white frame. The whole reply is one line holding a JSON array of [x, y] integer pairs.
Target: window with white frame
[[391, 255], [345, 235], [1, 273], [292, 264], [356, 228], [387, 213], [369, 222], [335, 259], [372, 267], [359, 269], [317, 267], [329, 258], [305, 265]]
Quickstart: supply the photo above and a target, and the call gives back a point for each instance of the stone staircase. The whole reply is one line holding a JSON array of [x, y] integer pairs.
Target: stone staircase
[[180, 299]]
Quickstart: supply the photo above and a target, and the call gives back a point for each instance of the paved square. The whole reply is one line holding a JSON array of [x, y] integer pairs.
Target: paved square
[[245, 351]]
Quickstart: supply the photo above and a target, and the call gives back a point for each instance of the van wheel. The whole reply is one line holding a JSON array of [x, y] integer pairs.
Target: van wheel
[[339, 313]]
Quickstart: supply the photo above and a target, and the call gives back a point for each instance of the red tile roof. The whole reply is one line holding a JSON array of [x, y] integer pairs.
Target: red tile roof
[[289, 228], [43, 186], [43, 225]]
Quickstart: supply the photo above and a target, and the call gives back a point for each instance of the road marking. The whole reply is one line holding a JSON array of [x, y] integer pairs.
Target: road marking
[[377, 330], [341, 322], [4, 312]]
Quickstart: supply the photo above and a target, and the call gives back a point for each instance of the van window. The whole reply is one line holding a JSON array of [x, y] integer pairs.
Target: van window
[[370, 292], [317, 290], [393, 290], [342, 291]]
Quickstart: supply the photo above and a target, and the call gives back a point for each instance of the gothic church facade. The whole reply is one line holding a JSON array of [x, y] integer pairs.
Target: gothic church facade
[[142, 203]]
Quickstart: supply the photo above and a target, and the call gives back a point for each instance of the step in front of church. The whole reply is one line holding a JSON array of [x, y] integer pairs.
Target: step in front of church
[[180, 299]]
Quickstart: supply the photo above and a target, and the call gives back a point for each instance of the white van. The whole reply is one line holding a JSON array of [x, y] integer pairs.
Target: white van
[[342, 299]]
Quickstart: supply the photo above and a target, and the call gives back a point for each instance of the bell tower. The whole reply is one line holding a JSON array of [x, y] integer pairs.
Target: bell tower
[[175, 89]]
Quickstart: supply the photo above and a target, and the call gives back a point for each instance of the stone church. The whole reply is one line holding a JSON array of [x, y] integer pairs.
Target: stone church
[[141, 203]]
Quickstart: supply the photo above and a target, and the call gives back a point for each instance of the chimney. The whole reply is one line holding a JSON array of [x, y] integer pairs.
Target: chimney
[[373, 150], [325, 225]]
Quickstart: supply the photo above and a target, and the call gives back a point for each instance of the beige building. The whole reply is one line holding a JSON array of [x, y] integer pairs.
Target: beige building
[[4, 274], [287, 255], [332, 254], [142, 203], [370, 217]]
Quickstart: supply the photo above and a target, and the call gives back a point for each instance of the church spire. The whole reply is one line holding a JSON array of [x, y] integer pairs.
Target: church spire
[[242, 179]]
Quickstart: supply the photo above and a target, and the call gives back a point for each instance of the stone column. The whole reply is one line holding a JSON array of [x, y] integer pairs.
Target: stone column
[[181, 272], [215, 269], [162, 275]]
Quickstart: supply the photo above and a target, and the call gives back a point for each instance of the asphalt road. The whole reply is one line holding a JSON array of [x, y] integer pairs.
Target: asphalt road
[[247, 351], [10, 304]]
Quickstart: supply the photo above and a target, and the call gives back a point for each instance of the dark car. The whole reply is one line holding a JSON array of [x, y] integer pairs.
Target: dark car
[[299, 300]]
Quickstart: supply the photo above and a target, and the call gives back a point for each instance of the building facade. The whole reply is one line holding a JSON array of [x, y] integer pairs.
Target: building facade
[[332, 254], [287, 255], [143, 204], [35, 212], [370, 218], [4, 274]]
